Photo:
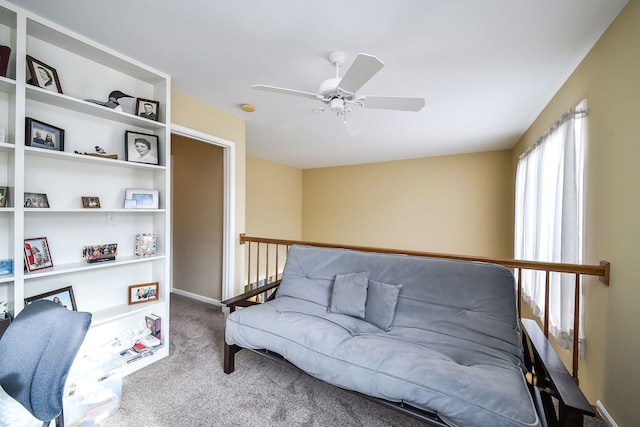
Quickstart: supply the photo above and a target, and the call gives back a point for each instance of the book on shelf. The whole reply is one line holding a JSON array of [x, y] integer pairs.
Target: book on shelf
[[145, 244], [154, 323]]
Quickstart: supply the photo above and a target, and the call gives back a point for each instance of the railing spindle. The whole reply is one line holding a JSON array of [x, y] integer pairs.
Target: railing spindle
[[547, 282], [576, 328]]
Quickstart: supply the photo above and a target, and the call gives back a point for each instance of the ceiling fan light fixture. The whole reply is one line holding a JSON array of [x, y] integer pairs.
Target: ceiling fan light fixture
[[336, 105]]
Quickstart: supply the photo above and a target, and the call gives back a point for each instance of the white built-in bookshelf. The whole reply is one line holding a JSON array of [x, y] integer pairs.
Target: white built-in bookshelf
[[86, 70]]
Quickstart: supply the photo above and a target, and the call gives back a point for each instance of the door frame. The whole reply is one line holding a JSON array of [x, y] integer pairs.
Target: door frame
[[229, 208]]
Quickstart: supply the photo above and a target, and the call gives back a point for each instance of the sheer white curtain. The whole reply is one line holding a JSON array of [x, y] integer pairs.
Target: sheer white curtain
[[549, 217]]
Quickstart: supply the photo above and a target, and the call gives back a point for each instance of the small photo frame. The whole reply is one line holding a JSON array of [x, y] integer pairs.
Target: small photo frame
[[4, 196], [141, 148], [145, 244], [36, 200], [42, 75], [5, 54], [147, 108], [144, 199], [144, 293], [63, 297], [37, 254], [42, 135], [100, 253], [90, 202]]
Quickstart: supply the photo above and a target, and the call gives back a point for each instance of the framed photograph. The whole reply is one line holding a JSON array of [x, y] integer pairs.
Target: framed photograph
[[63, 296], [100, 253], [43, 75], [141, 147], [90, 202], [42, 135], [144, 293], [36, 200], [144, 199], [4, 196], [37, 254], [5, 54], [147, 108], [145, 244]]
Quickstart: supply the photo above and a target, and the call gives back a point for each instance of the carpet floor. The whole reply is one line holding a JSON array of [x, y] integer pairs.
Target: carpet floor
[[189, 388]]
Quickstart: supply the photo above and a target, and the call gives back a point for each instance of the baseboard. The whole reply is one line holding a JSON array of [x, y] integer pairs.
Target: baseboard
[[196, 296], [606, 417]]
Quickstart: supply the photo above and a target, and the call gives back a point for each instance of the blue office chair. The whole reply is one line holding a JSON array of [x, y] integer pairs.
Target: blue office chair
[[36, 353]]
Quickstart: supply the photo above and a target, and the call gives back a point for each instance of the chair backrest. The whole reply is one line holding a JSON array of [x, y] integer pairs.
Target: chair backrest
[[36, 353]]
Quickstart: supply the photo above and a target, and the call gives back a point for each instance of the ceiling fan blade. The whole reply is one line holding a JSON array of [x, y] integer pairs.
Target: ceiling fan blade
[[363, 68], [393, 103], [286, 91]]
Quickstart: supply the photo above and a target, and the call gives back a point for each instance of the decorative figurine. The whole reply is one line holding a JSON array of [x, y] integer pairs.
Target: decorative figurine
[[113, 100]]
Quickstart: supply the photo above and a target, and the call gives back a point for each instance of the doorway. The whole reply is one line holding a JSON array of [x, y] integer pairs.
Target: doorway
[[201, 211]]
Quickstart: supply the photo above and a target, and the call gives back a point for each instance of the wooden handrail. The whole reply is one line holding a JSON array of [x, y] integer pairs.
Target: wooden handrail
[[602, 271]]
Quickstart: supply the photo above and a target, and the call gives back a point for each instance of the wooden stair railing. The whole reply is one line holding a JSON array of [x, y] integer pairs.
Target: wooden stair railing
[[266, 258]]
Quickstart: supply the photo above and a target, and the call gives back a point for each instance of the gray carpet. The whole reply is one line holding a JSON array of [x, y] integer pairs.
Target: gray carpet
[[188, 388]]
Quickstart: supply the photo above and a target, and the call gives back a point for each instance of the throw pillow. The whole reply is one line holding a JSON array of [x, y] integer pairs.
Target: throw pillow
[[381, 303], [349, 294]]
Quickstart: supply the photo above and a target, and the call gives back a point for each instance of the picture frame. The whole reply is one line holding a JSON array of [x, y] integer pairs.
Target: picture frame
[[145, 292], [37, 254], [148, 109], [90, 202], [5, 55], [145, 244], [141, 148], [100, 253], [43, 135], [4, 196], [144, 199], [62, 296], [43, 75], [36, 200]]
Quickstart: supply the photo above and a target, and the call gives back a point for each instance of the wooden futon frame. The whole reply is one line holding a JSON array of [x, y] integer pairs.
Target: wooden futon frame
[[554, 390]]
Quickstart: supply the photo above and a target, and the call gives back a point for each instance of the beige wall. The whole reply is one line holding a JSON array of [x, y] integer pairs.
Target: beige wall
[[193, 114], [274, 200], [609, 78], [454, 204], [198, 197]]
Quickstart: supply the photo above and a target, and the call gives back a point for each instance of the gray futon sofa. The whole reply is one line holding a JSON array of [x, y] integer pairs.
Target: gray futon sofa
[[439, 335]]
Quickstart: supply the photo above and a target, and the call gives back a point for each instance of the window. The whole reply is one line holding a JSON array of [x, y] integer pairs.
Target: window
[[549, 216]]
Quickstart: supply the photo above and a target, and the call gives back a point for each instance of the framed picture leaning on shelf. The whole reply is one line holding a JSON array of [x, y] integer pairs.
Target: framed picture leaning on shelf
[[100, 253], [43, 75], [63, 297], [90, 202], [145, 244], [4, 196], [5, 54], [136, 198], [144, 292], [141, 147], [147, 108], [37, 254], [42, 135], [36, 200]]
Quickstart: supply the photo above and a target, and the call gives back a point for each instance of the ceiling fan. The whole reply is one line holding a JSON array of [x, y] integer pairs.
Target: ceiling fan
[[339, 94]]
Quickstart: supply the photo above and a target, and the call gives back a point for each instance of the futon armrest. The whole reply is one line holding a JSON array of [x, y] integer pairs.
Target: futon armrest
[[547, 367], [242, 300]]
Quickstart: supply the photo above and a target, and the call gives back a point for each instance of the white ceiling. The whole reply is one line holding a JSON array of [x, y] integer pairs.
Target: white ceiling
[[485, 67]]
